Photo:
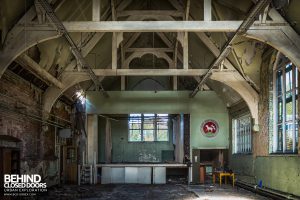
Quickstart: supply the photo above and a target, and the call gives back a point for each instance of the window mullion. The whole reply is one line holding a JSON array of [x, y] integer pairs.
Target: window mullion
[[239, 136], [250, 135], [142, 127], [244, 137], [234, 136], [275, 112], [155, 127], [283, 111], [294, 106]]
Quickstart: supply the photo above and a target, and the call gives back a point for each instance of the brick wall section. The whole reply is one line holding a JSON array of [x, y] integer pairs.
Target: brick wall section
[[20, 96], [261, 138], [37, 146]]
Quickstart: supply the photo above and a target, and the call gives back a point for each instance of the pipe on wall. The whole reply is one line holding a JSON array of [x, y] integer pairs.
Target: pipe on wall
[[265, 191]]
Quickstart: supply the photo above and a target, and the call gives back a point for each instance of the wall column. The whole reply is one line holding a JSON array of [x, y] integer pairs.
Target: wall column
[[92, 139]]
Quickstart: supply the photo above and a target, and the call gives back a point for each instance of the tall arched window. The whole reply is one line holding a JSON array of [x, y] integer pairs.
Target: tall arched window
[[285, 106]]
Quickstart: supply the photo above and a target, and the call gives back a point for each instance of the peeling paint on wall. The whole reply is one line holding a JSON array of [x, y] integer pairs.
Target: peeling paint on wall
[[37, 145], [146, 156], [249, 54], [54, 52]]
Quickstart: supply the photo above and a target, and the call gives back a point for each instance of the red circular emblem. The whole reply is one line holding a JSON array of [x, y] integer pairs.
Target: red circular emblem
[[210, 128]]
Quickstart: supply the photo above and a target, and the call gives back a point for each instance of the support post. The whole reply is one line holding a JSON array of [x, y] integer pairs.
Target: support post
[[175, 79], [114, 51], [96, 10], [207, 10], [185, 51], [117, 38]]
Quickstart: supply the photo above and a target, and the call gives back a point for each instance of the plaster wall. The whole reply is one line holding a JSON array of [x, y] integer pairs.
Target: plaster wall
[[205, 105], [125, 151]]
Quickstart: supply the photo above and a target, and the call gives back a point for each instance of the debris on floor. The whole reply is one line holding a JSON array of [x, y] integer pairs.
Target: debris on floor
[[215, 192], [121, 192]]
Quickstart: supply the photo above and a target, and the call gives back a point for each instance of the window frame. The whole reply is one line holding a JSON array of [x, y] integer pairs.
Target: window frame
[[279, 146], [155, 129], [242, 138]]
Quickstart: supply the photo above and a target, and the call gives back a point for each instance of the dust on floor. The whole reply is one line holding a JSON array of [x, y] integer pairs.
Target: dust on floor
[[215, 192], [120, 192], [149, 192]]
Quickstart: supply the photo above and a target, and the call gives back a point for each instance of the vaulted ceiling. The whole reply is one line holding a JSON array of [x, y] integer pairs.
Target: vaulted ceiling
[[140, 50]]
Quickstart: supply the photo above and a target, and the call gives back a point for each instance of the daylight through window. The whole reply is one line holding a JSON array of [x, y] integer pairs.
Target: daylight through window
[[148, 127], [242, 139], [286, 108]]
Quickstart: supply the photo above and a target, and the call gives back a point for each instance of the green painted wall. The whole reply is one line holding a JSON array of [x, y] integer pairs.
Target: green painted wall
[[199, 141], [210, 106], [205, 105], [279, 173], [243, 167], [124, 151], [139, 102]]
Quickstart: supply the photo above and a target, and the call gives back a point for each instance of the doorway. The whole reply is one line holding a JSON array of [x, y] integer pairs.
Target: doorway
[[205, 161], [9, 156]]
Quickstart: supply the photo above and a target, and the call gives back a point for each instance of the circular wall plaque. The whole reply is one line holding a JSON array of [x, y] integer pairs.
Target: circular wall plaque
[[209, 128]]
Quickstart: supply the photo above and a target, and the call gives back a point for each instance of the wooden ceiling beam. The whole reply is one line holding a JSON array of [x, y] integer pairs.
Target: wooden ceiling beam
[[148, 72]]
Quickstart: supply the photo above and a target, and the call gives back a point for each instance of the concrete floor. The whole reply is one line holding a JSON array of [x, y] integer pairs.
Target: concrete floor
[[121, 192], [147, 192], [210, 192]]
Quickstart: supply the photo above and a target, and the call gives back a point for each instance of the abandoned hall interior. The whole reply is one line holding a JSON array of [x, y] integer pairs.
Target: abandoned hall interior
[[151, 99]]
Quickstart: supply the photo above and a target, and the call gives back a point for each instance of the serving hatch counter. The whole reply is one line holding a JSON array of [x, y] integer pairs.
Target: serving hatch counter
[[135, 173]]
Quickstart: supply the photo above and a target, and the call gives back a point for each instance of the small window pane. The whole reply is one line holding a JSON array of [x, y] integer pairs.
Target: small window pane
[[149, 116], [148, 135], [279, 114], [162, 135], [289, 109], [148, 126], [296, 71], [297, 134], [135, 136], [149, 120], [135, 118], [163, 115], [135, 115], [289, 137], [288, 81], [280, 147], [162, 125], [135, 126], [279, 82]]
